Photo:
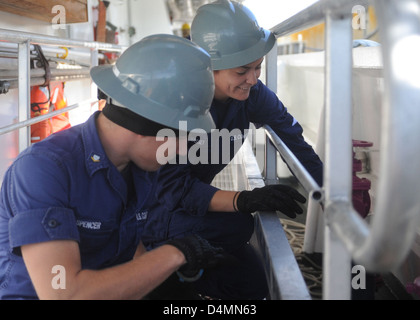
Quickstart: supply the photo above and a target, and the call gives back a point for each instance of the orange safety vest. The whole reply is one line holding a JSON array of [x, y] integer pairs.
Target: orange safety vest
[[59, 101], [44, 100]]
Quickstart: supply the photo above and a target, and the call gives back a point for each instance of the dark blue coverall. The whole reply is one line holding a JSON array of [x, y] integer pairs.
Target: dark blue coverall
[[184, 193]]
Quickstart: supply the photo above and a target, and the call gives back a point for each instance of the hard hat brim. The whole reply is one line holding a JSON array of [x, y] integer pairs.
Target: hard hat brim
[[105, 79], [242, 58]]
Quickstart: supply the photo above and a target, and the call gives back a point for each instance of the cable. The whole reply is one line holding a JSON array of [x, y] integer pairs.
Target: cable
[[311, 271]]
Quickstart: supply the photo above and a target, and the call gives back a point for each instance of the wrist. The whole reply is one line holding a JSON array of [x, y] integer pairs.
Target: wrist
[[242, 202], [177, 254], [234, 201]]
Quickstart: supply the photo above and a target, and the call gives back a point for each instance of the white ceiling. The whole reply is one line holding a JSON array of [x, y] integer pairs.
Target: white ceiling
[[184, 10]]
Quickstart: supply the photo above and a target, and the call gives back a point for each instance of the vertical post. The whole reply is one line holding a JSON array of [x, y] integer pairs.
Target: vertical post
[[338, 166], [270, 154], [271, 68], [129, 22], [24, 93], [93, 63], [270, 161]]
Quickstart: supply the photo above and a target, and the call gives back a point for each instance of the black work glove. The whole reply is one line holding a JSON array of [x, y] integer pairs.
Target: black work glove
[[271, 198], [199, 253]]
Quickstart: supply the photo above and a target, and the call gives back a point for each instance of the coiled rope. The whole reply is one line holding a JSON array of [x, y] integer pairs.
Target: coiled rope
[[311, 271]]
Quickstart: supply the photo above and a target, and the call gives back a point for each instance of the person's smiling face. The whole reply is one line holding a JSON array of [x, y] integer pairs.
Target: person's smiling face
[[236, 83]]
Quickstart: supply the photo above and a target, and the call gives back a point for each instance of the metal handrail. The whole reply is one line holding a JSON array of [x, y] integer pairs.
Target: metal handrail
[[19, 36], [308, 183], [315, 14], [396, 219], [38, 76], [383, 245], [24, 41], [31, 121]]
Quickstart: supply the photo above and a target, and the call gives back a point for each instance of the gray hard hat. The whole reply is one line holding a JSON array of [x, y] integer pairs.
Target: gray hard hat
[[230, 33], [164, 78]]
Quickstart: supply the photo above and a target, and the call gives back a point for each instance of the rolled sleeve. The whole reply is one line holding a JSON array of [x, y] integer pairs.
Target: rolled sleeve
[[42, 225]]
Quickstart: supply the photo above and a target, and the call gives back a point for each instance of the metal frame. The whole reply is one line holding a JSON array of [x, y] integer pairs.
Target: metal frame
[[308, 183], [24, 41], [270, 153], [284, 278], [26, 123], [383, 245], [24, 92]]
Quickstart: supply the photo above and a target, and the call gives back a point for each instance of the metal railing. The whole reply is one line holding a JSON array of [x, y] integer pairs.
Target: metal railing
[[384, 244], [314, 190], [24, 41]]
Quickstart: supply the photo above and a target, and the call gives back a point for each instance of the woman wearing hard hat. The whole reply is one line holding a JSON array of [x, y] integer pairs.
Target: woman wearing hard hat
[[229, 32]]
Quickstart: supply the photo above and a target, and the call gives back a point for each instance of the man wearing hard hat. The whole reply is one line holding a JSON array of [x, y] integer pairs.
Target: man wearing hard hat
[[72, 227]]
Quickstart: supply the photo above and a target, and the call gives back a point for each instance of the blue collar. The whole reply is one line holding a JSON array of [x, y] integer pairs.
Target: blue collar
[[95, 156]]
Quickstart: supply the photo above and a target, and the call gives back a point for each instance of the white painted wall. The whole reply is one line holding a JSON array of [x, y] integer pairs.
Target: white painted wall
[[146, 16], [149, 17], [301, 88]]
